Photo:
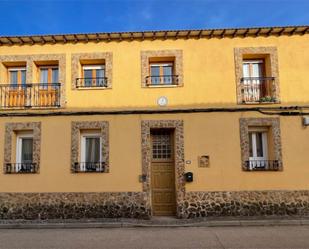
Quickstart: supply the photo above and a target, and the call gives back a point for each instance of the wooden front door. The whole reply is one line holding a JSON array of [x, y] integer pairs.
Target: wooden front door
[[163, 173]]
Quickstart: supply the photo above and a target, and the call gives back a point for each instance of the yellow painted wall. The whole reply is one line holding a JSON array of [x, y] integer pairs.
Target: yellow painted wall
[[209, 71], [215, 134]]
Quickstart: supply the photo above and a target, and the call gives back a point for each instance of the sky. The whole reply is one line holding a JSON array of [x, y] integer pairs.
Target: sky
[[29, 17]]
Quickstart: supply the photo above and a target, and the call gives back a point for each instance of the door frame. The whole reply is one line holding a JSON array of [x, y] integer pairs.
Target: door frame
[[178, 127]]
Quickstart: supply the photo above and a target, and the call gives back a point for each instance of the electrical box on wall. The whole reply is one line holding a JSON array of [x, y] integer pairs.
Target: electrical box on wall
[[305, 121]]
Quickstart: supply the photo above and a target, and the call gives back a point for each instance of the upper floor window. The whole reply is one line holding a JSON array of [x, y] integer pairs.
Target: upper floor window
[[17, 76], [256, 86], [257, 75], [49, 75], [162, 74], [93, 76], [162, 68]]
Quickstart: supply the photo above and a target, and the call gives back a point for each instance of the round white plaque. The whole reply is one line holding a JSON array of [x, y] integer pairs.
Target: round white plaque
[[162, 101]]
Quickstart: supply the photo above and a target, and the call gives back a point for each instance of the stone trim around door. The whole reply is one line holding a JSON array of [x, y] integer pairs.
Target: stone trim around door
[[274, 68], [76, 127], [76, 66], [147, 55], [73, 205], [178, 127], [274, 126], [10, 128], [30, 61]]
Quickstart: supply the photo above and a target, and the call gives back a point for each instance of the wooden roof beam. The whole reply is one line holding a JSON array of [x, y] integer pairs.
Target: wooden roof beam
[[223, 33], [199, 35], [281, 31], [269, 31], [31, 40], [234, 33], [245, 34], [165, 35], [154, 35], [53, 39], [211, 34], [64, 39], [86, 38], [43, 41], [257, 32], [131, 36], [10, 40], [188, 34], [305, 31]]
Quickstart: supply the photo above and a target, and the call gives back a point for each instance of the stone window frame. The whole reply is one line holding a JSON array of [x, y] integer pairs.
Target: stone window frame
[[274, 125], [31, 59], [273, 55], [178, 127], [76, 127], [11, 128], [178, 64], [76, 62]]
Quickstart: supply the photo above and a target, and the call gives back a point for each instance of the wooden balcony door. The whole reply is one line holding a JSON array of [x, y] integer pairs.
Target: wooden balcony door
[[17, 89], [253, 73], [163, 173], [48, 94]]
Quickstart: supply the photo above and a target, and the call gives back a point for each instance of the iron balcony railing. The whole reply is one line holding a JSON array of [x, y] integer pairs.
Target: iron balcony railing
[[29, 167], [260, 165], [162, 80], [30, 95], [91, 82], [257, 89], [88, 167]]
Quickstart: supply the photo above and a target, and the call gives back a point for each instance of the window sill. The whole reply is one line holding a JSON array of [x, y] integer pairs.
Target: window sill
[[162, 86], [93, 88], [259, 103]]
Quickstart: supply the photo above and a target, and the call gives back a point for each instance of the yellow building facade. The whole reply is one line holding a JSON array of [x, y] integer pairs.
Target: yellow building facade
[[181, 123]]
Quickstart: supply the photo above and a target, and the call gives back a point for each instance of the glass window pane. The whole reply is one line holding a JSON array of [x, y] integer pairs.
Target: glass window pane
[[246, 72], [55, 75], [250, 144], [167, 74], [14, 77], [88, 77], [92, 149], [259, 144], [100, 77], [155, 75], [44, 75], [27, 150], [23, 77]]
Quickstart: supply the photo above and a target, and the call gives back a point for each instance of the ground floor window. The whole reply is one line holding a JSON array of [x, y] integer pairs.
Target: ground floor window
[[90, 150], [260, 144]]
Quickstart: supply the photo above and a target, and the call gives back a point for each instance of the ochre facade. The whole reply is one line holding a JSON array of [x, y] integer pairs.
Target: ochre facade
[[203, 111]]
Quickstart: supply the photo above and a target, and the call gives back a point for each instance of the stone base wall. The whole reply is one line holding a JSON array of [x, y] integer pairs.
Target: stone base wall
[[136, 204], [244, 203], [73, 205]]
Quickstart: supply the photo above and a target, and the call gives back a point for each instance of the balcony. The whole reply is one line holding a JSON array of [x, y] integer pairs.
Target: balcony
[[262, 165], [100, 82], [12, 168], [257, 90], [79, 167], [164, 80], [30, 95]]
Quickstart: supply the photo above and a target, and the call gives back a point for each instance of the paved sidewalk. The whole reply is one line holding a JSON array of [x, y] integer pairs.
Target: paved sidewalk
[[155, 222], [252, 237]]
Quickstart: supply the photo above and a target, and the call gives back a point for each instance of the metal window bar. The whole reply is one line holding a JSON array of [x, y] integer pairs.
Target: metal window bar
[[29, 167], [91, 82], [257, 89], [30, 95], [162, 80], [89, 167], [262, 165]]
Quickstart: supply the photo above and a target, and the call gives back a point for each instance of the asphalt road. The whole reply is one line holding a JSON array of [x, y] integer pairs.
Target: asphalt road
[[180, 237]]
